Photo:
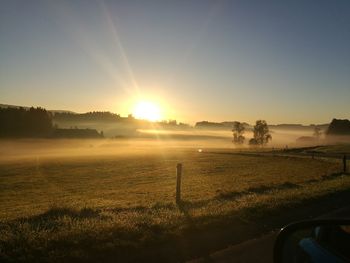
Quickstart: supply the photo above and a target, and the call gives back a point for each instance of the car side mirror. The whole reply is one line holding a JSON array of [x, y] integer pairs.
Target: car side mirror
[[324, 240]]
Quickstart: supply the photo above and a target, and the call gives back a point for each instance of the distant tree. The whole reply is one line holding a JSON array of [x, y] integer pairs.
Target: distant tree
[[95, 116], [20, 122], [261, 133], [253, 142], [317, 132], [338, 127], [172, 122], [238, 131]]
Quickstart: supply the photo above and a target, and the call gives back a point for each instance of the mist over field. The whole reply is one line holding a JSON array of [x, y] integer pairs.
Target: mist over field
[[148, 140], [168, 131], [106, 193]]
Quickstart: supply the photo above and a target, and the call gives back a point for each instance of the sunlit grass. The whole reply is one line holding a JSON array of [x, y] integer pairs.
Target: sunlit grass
[[122, 207]]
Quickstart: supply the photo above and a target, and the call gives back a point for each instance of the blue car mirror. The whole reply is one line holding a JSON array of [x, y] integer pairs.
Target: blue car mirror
[[325, 240]]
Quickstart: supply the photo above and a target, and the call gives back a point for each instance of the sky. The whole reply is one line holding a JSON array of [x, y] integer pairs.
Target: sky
[[219, 60]]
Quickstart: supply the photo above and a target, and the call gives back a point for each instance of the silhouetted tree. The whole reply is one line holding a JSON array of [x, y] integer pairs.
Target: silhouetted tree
[[238, 131], [317, 132], [20, 122], [339, 127], [261, 133], [253, 142], [209, 125], [77, 133], [96, 116]]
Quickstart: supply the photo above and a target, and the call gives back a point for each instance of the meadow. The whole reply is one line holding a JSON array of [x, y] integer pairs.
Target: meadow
[[115, 201]]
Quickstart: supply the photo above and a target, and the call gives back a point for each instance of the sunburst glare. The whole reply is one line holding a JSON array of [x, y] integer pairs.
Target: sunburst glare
[[147, 110]]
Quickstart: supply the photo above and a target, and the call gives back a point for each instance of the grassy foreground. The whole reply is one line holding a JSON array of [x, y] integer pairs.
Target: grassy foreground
[[121, 208]]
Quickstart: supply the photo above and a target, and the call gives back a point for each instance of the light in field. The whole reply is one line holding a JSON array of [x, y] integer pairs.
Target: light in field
[[146, 110]]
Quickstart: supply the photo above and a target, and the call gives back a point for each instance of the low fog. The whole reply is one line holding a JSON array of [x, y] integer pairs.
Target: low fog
[[148, 140]]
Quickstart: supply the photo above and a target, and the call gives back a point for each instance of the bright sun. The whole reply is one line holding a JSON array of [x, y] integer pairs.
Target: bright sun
[[146, 110]]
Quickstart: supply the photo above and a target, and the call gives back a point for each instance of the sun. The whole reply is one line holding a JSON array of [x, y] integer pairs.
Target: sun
[[146, 110]]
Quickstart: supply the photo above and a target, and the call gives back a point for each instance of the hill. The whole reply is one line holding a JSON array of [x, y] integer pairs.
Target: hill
[[339, 127], [4, 106]]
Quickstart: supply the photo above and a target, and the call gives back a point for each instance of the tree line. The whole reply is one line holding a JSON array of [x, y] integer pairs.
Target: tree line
[[261, 133], [37, 122], [96, 116], [20, 122]]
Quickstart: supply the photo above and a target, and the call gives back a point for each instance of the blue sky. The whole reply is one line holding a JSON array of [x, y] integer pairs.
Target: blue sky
[[283, 61]]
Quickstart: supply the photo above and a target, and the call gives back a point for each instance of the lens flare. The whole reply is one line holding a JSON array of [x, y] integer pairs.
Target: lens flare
[[146, 110]]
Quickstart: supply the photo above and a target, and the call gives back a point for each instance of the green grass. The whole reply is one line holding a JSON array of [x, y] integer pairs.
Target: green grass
[[121, 207]]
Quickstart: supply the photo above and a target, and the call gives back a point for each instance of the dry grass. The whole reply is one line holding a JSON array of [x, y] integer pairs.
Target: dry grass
[[105, 208]]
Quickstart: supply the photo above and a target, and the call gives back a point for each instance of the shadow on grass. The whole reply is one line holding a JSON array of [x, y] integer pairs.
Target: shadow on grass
[[224, 195], [285, 186], [195, 236], [50, 219], [144, 209], [256, 190], [198, 237], [334, 175], [185, 205], [57, 212]]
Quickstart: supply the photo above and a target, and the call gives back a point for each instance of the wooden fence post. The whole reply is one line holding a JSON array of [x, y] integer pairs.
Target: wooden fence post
[[344, 163], [178, 182]]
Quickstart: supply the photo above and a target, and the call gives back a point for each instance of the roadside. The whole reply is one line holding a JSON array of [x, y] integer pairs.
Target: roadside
[[258, 249], [254, 250]]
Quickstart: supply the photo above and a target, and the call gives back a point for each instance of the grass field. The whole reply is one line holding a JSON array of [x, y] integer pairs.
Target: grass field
[[119, 204]]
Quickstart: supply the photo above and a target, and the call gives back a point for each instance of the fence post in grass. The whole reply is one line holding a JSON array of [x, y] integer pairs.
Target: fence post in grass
[[178, 182], [344, 163]]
